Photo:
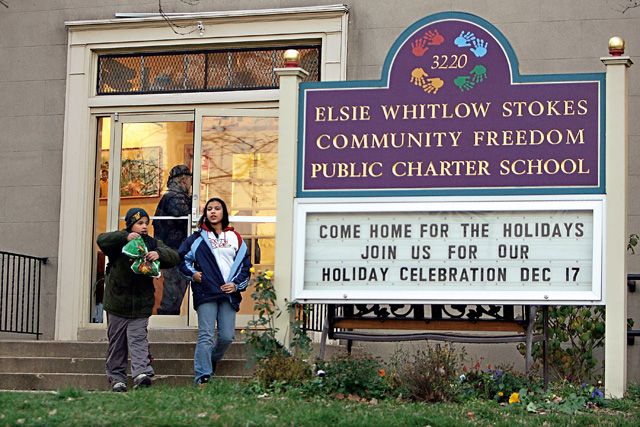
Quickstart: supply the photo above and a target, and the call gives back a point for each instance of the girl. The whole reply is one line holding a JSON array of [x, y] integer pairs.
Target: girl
[[216, 260]]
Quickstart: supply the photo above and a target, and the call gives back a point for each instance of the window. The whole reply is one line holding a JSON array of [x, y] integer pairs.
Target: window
[[199, 71]]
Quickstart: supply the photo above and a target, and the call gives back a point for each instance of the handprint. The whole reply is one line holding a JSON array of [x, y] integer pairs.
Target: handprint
[[480, 48], [434, 38], [478, 73], [433, 85], [417, 76], [464, 83], [464, 38], [418, 47]]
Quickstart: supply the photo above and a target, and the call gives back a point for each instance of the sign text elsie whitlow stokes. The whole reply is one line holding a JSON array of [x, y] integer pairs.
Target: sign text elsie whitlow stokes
[[452, 112]]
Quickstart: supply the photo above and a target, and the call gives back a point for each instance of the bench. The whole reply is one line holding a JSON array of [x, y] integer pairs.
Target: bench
[[473, 323]]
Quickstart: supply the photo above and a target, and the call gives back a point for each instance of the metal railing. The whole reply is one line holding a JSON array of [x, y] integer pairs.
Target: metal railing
[[632, 279], [313, 317], [20, 283]]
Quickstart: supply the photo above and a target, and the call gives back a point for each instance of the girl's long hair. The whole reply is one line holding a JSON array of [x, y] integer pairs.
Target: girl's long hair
[[225, 214]]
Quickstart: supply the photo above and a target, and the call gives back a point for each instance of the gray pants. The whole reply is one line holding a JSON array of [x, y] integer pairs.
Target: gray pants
[[127, 336]]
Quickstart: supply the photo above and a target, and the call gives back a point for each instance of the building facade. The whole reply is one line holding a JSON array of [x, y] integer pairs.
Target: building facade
[[100, 100]]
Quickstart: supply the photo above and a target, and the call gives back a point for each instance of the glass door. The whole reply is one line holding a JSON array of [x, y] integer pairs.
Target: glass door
[[142, 162], [238, 163]]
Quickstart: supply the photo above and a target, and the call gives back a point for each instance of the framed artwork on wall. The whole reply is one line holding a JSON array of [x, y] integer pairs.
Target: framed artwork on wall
[[140, 172]]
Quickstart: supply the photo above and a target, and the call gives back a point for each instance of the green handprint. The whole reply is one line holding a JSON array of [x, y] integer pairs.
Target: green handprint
[[464, 83], [479, 73]]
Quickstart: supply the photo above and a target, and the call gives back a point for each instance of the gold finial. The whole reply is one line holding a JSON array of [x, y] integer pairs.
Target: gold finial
[[616, 46], [291, 58]]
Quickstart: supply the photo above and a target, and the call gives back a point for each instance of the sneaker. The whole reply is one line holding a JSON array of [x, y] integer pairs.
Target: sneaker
[[142, 380], [202, 381], [119, 387]]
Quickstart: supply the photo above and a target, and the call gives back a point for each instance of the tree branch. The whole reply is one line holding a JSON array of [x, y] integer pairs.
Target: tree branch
[[629, 4]]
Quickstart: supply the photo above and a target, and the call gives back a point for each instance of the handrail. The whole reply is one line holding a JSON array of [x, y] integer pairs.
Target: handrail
[[20, 284]]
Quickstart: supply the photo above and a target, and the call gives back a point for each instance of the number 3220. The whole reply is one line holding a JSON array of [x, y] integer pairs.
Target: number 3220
[[449, 61]]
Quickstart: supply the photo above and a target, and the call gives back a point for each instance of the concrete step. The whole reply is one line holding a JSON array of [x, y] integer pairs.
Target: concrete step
[[166, 334], [91, 382], [86, 349], [55, 365], [10, 364]]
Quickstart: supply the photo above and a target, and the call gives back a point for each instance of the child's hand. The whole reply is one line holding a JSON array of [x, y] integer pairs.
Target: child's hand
[[132, 235], [197, 277], [151, 256], [228, 288]]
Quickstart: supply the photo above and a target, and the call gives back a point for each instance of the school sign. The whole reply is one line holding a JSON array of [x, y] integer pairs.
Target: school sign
[[452, 179]]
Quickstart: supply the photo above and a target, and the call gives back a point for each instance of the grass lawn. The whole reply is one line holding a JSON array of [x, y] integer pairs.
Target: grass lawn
[[230, 404]]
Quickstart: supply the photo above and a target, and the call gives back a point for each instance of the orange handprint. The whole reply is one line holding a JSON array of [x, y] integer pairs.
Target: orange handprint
[[417, 76], [433, 85], [418, 47], [434, 38]]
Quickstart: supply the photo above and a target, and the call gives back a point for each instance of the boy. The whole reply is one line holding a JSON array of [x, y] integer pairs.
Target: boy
[[128, 300]]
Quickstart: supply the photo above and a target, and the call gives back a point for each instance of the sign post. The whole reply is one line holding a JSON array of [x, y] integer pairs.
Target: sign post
[[615, 337], [290, 78]]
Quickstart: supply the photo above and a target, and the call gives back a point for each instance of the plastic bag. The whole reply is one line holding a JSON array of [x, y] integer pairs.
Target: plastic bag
[[136, 249]]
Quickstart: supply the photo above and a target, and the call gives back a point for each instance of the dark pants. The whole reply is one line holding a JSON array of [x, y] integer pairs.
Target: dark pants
[[173, 290], [127, 337]]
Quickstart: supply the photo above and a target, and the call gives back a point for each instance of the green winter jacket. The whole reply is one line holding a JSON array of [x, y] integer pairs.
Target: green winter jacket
[[126, 293]]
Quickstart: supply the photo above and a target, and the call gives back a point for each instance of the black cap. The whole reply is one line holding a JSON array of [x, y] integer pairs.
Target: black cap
[[134, 215], [179, 170]]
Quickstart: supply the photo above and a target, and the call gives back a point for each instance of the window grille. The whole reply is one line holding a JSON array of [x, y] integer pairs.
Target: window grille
[[199, 71]]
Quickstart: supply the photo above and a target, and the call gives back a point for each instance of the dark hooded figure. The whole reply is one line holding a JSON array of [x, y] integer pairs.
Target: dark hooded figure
[[175, 202]]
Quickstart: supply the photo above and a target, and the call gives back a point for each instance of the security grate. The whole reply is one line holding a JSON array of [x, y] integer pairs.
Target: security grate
[[201, 71]]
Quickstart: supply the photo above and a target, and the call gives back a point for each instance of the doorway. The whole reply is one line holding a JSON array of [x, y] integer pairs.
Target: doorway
[[238, 163], [141, 163]]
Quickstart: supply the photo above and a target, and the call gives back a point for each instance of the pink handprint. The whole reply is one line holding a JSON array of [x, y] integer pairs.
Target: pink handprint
[[434, 38], [417, 76], [433, 85], [418, 47]]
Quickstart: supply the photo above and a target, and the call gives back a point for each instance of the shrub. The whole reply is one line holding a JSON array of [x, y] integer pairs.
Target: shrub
[[497, 383], [573, 335], [282, 370], [430, 374], [363, 376], [261, 332]]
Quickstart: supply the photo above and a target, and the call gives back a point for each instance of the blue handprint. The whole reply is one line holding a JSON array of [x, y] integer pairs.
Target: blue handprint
[[479, 48], [464, 38]]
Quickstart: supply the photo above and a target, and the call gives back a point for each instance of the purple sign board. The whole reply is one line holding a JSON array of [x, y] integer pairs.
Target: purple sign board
[[452, 115]]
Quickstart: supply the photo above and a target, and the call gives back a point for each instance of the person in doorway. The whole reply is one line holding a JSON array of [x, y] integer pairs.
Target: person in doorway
[[216, 260], [175, 202], [128, 300]]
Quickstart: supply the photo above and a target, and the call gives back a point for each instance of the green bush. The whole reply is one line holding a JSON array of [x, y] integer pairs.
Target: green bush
[[261, 332], [574, 332], [497, 383], [362, 376], [283, 371]]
